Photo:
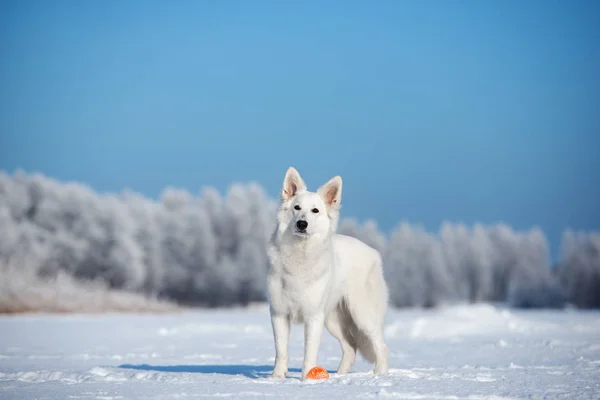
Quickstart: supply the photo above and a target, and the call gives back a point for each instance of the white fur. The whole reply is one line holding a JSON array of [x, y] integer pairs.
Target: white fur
[[323, 279]]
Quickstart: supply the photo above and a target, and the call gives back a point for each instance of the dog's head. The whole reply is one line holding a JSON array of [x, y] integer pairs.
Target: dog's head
[[305, 213]]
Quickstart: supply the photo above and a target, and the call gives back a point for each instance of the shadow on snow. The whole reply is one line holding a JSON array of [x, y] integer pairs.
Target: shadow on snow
[[251, 371]]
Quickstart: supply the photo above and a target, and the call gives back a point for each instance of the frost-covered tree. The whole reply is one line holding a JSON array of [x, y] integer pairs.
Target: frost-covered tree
[[368, 232], [531, 284], [467, 253], [146, 216], [415, 268], [579, 268], [504, 248]]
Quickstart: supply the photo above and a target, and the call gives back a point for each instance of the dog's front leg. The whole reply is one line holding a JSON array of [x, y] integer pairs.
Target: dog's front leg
[[313, 329], [281, 333]]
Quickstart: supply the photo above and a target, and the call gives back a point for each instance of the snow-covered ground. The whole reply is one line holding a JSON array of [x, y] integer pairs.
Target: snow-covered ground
[[463, 352]]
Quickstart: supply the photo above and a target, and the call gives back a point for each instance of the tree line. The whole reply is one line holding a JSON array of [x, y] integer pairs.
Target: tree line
[[208, 249]]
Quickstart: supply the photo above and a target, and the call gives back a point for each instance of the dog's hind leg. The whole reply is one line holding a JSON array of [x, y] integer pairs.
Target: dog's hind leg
[[337, 324], [380, 349]]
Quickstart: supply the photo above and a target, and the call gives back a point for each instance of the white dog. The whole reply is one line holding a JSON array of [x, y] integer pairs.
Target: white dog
[[323, 279]]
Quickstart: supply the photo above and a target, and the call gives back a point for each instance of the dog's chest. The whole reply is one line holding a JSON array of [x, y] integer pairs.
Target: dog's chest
[[300, 282], [297, 300], [303, 294]]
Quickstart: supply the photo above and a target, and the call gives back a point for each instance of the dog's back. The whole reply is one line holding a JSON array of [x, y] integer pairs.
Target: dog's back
[[362, 265]]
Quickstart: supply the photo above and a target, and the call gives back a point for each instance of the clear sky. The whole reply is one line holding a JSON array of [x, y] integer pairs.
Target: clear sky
[[462, 110]]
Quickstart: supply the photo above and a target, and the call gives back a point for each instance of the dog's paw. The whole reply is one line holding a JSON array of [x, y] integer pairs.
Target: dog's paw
[[304, 375], [278, 375], [381, 370]]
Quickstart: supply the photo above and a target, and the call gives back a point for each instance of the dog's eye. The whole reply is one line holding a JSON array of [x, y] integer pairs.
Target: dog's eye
[[297, 207], [315, 210]]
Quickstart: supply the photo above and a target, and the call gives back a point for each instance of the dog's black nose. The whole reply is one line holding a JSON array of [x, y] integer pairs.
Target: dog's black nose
[[302, 225]]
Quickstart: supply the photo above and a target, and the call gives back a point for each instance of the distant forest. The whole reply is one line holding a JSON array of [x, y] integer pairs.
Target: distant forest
[[208, 250]]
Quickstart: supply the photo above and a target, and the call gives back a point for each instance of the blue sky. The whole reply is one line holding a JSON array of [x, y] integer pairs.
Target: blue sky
[[474, 111]]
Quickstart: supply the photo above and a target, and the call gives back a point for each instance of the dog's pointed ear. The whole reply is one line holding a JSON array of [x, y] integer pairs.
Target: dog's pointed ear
[[292, 184], [331, 192]]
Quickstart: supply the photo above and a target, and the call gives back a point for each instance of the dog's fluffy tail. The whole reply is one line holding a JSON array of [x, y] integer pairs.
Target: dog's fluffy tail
[[365, 347], [355, 337], [364, 312]]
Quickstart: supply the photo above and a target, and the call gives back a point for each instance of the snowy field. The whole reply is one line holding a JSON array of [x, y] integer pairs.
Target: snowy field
[[470, 352]]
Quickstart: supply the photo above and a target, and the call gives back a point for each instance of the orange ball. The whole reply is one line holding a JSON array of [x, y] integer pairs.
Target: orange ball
[[317, 373]]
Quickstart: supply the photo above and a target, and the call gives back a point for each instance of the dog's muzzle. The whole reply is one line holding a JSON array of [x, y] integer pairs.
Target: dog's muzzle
[[301, 226]]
